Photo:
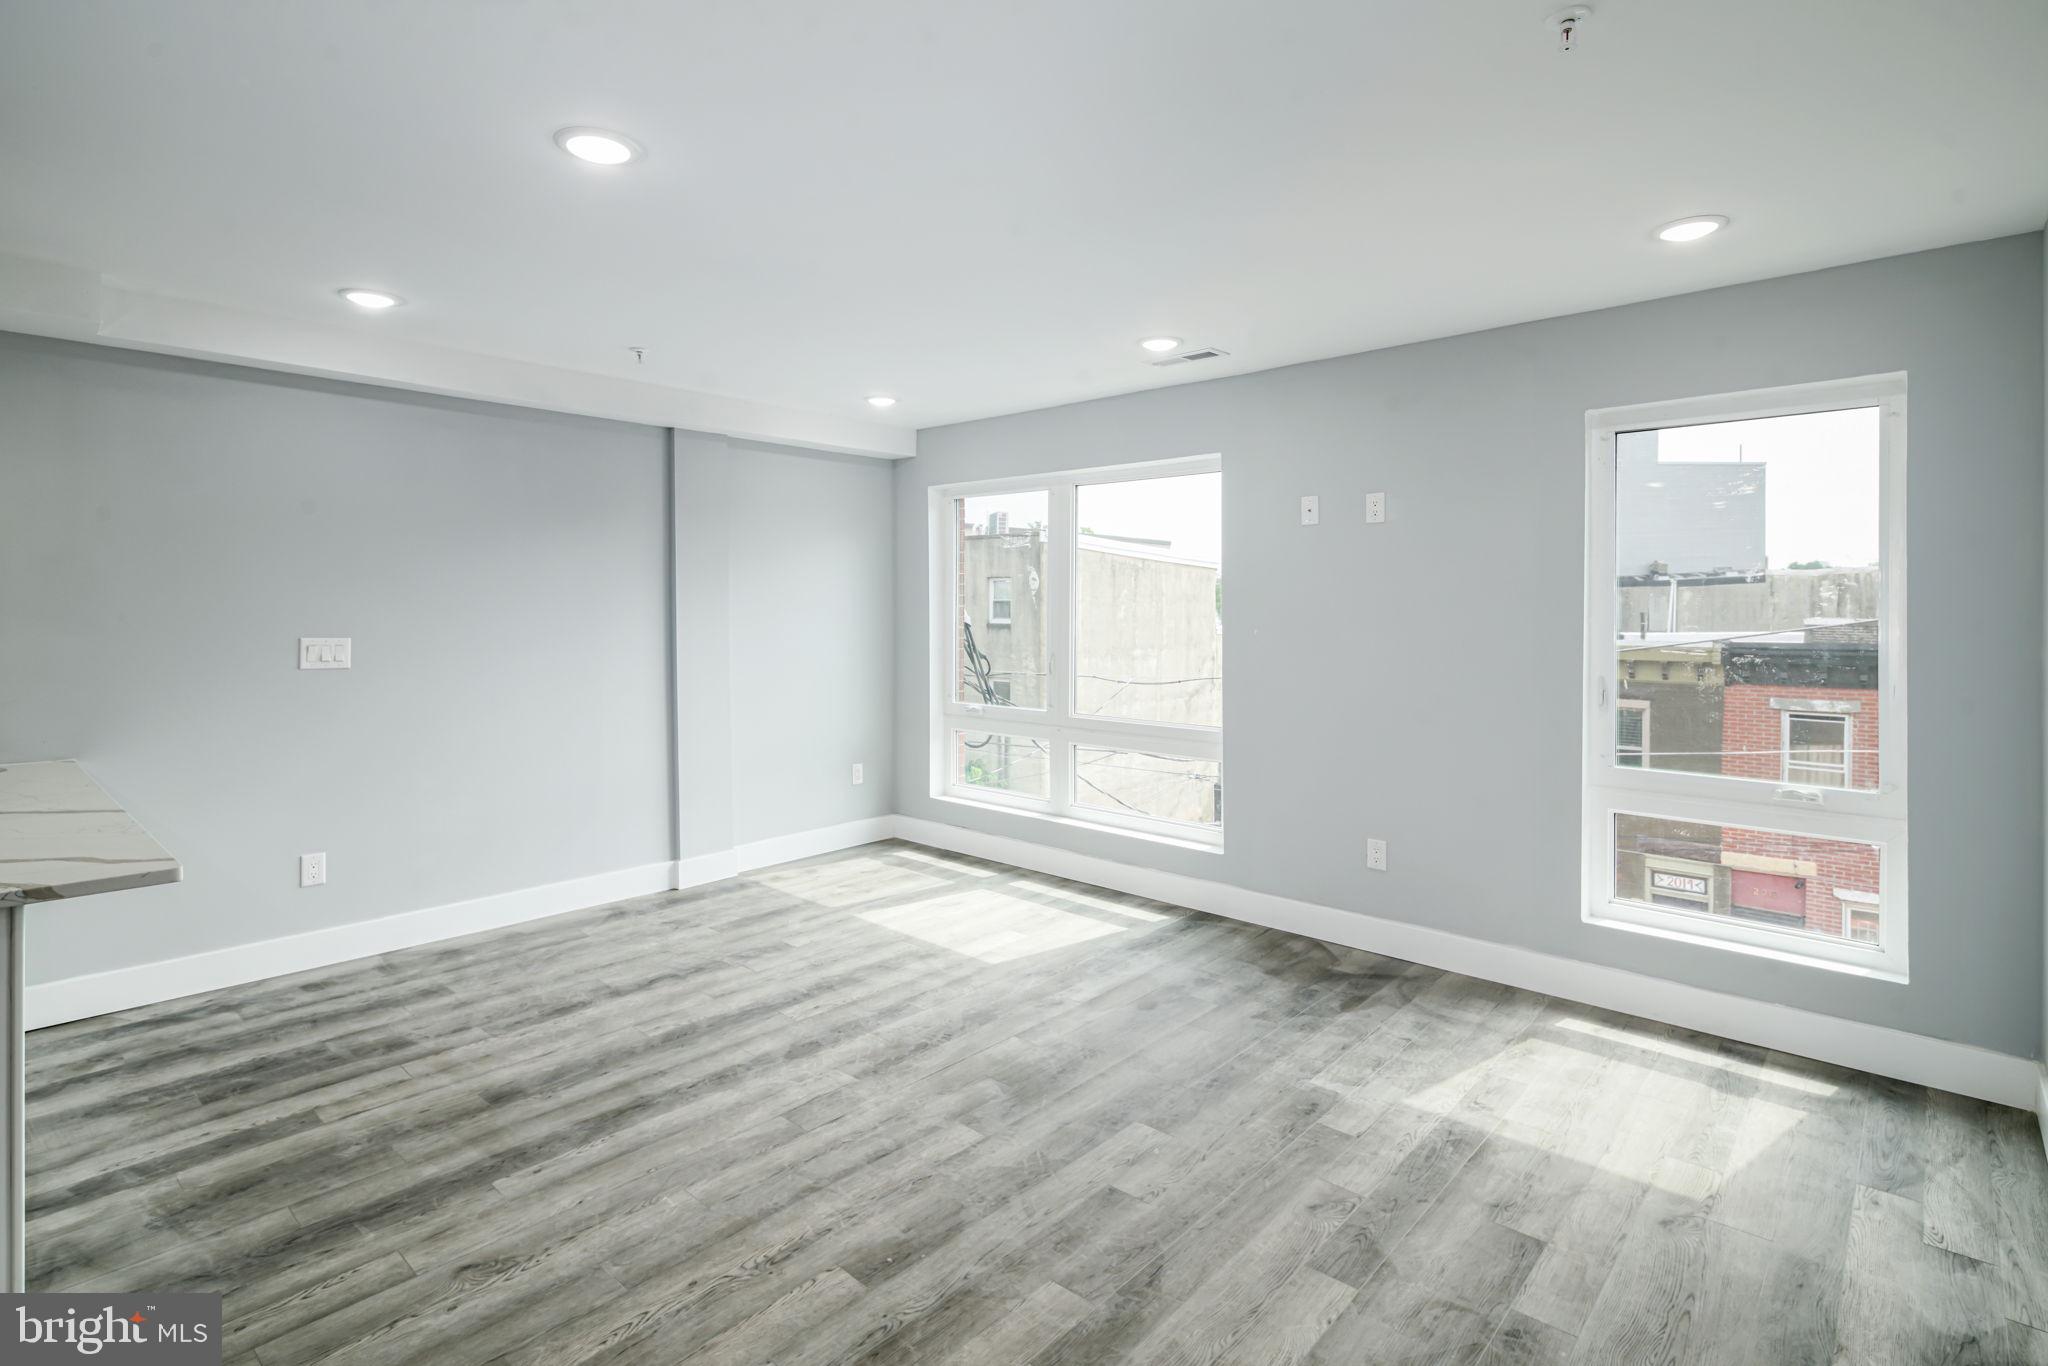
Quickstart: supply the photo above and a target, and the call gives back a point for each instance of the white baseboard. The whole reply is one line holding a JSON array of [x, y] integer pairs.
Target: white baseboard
[[703, 868], [101, 993], [1957, 1067], [806, 843], [2041, 1106]]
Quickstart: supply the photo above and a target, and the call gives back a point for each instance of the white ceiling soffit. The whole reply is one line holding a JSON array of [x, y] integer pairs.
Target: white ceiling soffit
[[44, 299], [976, 208]]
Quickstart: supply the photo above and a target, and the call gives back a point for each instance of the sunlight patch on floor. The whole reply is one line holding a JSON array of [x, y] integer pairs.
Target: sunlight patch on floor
[[1100, 903], [990, 926], [1763, 1126], [848, 881], [950, 865], [1442, 1097], [1705, 1057]]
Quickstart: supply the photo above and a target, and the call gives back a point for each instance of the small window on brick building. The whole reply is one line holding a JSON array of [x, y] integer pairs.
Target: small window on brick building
[[1631, 733], [1817, 749], [1859, 915], [999, 602]]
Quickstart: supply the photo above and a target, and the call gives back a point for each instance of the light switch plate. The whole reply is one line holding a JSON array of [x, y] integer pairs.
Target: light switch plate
[[1376, 855], [312, 869], [1311, 509], [859, 774], [325, 652], [1375, 507]]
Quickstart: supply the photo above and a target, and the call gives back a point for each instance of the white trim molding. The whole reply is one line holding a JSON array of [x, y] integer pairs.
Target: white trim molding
[[702, 868], [810, 843], [102, 993], [2041, 1105], [1962, 1068]]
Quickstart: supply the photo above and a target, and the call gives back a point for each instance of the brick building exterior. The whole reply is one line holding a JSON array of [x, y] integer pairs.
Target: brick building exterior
[[1822, 687], [1800, 708]]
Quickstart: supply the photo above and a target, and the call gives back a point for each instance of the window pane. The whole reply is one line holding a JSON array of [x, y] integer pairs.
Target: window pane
[[1817, 750], [1000, 549], [1149, 600], [1162, 786], [1015, 764], [1748, 587], [1802, 884]]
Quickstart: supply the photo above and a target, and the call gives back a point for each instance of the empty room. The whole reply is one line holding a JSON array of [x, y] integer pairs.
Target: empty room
[[624, 740]]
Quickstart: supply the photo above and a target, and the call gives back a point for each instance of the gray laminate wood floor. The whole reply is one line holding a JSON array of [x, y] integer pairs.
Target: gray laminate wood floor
[[893, 1106]]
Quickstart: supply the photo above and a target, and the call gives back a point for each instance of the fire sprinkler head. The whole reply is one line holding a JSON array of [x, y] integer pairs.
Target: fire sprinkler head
[[1567, 22]]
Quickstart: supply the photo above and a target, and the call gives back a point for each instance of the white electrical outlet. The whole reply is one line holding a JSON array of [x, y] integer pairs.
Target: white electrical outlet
[[312, 870], [1376, 855], [1375, 507], [1311, 509], [859, 775], [325, 652]]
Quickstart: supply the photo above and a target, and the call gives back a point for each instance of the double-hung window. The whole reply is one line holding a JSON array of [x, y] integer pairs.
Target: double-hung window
[[1077, 649], [1746, 563]]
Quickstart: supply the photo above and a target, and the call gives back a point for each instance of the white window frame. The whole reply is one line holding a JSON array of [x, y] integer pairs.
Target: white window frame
[[1785, 761], [1056, 724], [1007, 601], [1876, 816]]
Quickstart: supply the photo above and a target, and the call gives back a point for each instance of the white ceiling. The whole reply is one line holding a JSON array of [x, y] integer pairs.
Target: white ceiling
[[982, 206]]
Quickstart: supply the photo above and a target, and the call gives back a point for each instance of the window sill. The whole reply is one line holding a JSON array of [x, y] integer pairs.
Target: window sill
[[1870, 971], [1074, 823]]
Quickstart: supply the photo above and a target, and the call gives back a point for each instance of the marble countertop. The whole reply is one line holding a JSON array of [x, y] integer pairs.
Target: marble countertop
[[62, 836]]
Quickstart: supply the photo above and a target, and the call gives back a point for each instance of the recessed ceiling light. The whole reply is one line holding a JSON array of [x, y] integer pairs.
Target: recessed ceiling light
[[1160, 343], [376, 300], [881, 401], [599, 146], [1693, 229]]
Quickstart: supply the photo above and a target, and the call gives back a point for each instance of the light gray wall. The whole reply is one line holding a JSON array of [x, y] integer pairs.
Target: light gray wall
[[785, 640], [169, 529], [703, 636], [1471, 774]]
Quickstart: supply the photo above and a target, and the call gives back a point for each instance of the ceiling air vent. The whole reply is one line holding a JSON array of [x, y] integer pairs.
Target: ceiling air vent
[[1200, 353]]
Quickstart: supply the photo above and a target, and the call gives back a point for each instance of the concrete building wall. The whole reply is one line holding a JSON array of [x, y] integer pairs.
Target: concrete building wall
[[1149, 639], [1149, 647], [1016, 650], [1782, 600]]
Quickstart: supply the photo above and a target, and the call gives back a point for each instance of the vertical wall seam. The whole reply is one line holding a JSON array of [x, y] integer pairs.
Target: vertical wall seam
[[673, 596]]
